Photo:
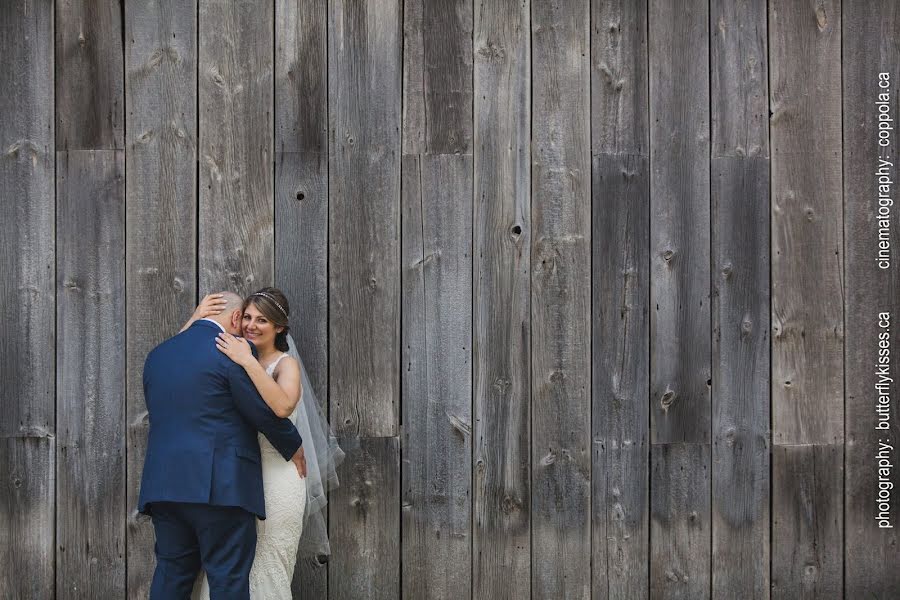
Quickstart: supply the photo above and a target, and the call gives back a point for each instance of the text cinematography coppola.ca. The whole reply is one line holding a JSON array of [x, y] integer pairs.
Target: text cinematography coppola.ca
[[884, 170]]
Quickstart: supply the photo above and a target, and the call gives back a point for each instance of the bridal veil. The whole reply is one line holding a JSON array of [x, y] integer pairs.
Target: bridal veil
[[323, 455]]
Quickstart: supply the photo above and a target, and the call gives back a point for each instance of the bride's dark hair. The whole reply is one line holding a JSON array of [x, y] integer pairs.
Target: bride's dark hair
[[273, 304]]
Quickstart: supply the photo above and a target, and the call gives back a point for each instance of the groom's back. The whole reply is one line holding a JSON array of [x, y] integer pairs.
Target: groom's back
[[186, 389], [196, 433]]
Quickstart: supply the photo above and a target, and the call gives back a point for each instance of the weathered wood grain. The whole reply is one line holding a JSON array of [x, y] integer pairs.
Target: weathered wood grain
[[90, 88], [869, 48], [27, 302], [619, 77], [436, 348], [301, 76], [365, 519], [90, 374], [739, 92], [236, 103], [679, 225], [161, 223], [807, 507], [740, 381], [807, 299], [27, 229], [807, 258], [301, 179], [90, 466], [680, 344], [437, 376], [26, 516], [561, 302], [301, 272], [301, 204], [740, 244], [437, 77], [403, 112], [620, 282], [620, 371], [501, 300], [680, 528], [364, 74]]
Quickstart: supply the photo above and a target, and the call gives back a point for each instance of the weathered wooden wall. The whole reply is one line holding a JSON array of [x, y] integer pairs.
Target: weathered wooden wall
[[587, 287]]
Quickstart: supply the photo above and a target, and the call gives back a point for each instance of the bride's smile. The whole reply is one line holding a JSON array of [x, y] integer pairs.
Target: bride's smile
[[257, 328]]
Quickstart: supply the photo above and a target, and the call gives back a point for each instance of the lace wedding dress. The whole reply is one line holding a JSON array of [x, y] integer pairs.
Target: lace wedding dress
[[278, 535]]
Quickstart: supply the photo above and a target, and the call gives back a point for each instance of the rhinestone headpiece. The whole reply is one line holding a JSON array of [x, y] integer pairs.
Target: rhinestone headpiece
[[274, 301]]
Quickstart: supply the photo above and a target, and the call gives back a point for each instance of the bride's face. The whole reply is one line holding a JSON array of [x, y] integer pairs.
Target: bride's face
[[257, 328]]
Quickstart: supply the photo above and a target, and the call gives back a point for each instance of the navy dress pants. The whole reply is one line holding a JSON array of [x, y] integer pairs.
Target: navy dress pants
[[221, 539]]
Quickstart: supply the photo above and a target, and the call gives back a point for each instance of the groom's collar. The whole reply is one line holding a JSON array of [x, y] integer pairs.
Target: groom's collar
[[209, 323], [206, 322]]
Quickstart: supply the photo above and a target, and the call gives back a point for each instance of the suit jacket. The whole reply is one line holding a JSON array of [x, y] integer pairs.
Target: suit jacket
[[204, 416]]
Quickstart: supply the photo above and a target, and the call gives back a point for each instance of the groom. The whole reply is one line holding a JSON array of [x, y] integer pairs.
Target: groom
[[202, 481]]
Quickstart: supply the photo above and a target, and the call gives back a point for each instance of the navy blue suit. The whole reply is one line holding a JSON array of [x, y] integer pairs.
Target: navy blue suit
[[202, 478]]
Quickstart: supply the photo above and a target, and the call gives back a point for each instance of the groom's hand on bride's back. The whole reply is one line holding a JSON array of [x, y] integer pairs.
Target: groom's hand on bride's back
[[299, 459]]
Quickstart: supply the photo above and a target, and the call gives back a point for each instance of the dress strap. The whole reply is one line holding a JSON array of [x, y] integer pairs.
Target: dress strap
[[271, 368]]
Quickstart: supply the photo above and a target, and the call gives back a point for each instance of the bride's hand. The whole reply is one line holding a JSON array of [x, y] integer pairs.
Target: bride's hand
[[211, 305], [235, 348]]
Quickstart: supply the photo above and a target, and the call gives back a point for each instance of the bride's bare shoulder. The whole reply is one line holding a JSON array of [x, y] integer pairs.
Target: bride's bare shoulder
[[288, 364]]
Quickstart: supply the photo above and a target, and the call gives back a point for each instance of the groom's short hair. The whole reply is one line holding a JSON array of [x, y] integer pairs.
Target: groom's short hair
[[233, 301]]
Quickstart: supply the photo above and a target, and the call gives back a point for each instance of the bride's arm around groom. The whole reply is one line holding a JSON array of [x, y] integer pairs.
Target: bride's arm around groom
[[280, 431]]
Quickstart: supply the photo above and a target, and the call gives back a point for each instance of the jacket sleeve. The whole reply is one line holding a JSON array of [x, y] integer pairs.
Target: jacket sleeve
[[145, 377], [280, 432]]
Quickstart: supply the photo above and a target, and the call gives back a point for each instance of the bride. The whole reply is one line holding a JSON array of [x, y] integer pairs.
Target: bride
[[294, 525]]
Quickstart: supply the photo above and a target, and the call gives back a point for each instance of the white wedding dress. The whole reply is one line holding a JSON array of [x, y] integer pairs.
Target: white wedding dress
[[278, 535]]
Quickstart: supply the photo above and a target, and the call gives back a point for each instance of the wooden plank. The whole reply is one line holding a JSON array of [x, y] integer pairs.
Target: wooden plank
[[301, 204], [27, 263], [301, 76], [807, 258], [301, 272], [740, 391], [501, 548], [740, 242], [807, 507], [437, 376], [236, 103], [90, 468], [679, 226], [437, 77], [680, 344], [739, 78], [161, 223], [365, 520], [27, 302], [869, 48], [90, 374], [807, 300], [26, 516], [620, 323], [301, 197], [619, 74], [561, 302], [364, 216], [90, 90], [364, 193], [437, 299], [679, 516]]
